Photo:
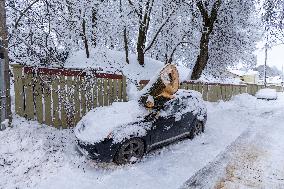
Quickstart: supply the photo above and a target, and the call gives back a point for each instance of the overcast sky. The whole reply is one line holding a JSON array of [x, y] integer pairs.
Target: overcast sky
[[275, 56]]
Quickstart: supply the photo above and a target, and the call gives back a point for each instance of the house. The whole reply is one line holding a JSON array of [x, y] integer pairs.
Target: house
[[276, 80], [249, 76]]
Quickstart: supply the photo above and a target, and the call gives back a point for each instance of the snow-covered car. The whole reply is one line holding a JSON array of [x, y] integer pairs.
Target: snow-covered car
[[266, 94], [124, 131]]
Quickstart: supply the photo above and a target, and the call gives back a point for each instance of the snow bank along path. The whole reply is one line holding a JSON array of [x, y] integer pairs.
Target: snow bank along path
[[255, 159], [37, 156]]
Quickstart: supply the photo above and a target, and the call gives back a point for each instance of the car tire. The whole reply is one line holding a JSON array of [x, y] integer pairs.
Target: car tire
[[197, 129], [130, 151]]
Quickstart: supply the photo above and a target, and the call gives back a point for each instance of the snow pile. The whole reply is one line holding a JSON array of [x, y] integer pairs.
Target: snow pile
[[29, 152], [110, 61], [269, 94], [100, 122], [244, 100]]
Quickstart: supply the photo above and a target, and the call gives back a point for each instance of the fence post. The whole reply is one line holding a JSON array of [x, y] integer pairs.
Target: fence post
[[205, 92]]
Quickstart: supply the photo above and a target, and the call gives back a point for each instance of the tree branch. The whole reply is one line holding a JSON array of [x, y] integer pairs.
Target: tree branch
[[135, 10], [214, 12], [23, 12], [203, 11], [175, 48], [158, 32]]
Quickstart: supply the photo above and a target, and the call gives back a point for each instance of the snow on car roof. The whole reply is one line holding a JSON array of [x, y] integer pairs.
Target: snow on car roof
[[266, 94]]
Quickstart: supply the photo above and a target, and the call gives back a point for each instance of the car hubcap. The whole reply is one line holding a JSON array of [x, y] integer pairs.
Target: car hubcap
[[198, 128], [132, 150]]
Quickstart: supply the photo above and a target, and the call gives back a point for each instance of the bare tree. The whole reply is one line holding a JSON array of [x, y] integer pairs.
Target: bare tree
[[4, 49]]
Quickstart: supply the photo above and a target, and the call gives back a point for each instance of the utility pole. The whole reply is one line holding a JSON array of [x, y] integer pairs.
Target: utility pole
[[282, 83], [265, 63], [5, 63]]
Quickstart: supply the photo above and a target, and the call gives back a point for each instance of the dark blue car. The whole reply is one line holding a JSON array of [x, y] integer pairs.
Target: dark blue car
[[182, 117]]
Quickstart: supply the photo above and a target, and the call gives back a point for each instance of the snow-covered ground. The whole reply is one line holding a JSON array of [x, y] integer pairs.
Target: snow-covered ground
[[37, 156], [255, 159]]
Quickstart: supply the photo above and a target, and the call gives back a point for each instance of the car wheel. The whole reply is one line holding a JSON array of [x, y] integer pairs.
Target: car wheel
[[130, 151], [197, 129]]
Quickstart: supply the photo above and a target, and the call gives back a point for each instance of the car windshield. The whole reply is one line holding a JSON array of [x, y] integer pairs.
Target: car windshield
[[170, 108]]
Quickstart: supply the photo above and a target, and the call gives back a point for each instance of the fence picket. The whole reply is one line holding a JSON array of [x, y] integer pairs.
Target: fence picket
[[124, 84], [77, 107], [55, 101], [89, 94], [29, 97], [100, 92], [114, 85], [106, 93], [111, 91], [62, 98], [70, 107], [119, 84], [83, 96], [47, 104], [95, 94], [205, 92], [38, 99], [19, 90]]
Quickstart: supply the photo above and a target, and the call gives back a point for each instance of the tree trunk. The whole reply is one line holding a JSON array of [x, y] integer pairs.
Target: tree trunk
[[141, 45], [85, 38], [166, 84], [94, 27], [202, 58], [4, 36], [208, 25], [126, 45]]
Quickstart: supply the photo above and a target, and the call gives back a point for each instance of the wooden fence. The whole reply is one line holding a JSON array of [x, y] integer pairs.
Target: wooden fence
[[214, 92], [60, 97]]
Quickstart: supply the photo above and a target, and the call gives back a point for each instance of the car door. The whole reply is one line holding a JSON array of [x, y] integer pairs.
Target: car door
[[166, 127]]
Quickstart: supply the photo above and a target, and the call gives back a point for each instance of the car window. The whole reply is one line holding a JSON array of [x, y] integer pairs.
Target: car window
[[170, 108]]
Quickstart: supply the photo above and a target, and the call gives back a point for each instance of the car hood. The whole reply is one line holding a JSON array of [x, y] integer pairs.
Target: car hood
[[101, 122]]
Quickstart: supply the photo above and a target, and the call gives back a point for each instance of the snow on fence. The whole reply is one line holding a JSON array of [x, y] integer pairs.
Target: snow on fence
[[60, 97], [216, 91]]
